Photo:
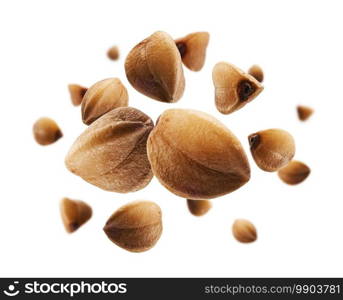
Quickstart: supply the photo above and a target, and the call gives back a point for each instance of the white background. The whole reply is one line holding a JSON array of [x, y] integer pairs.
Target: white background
[[45, 45]]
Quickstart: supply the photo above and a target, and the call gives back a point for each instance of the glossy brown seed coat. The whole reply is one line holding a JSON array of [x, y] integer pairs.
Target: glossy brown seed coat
[[195, 156], [294, 173], [111, 152], [233, 88], [46, 131], [154, 68], [257, 72], [192, 49], [76, 93], [135, 227], [272, 149], [74, 214], [102, 97], [199, 207], [244, 231], [304, 112]]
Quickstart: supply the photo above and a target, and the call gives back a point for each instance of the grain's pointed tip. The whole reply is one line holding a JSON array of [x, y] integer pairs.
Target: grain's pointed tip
[[254, 140]]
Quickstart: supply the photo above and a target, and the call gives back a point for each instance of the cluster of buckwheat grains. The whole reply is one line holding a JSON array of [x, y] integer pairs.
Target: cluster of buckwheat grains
[[191, 153]]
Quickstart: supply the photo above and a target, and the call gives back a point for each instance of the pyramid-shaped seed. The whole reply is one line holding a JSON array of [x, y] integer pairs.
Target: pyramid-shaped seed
[[199, 207], [193, 49], [74, 214], [111, 152], [102, 97], [46, 131], [154, 68], [244, 231], [304, 112], [272, 149], [135, 227], [195, 156], [233, 87], [294, 172]]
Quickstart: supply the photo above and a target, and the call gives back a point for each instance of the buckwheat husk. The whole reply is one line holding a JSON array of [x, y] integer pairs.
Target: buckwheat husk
[[233, 87], [192, 49], [272, 149], [46, 131], [257, 72], [304, 112], [113, 53], [154, 68], [199, 207], [102, 97], [244, 231], [111, 152], [135, 227], [76, 93], [74, 214], [294, 173], [195, 156]]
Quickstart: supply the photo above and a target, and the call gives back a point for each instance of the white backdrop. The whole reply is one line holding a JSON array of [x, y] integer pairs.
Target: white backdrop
[[45, 45]]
